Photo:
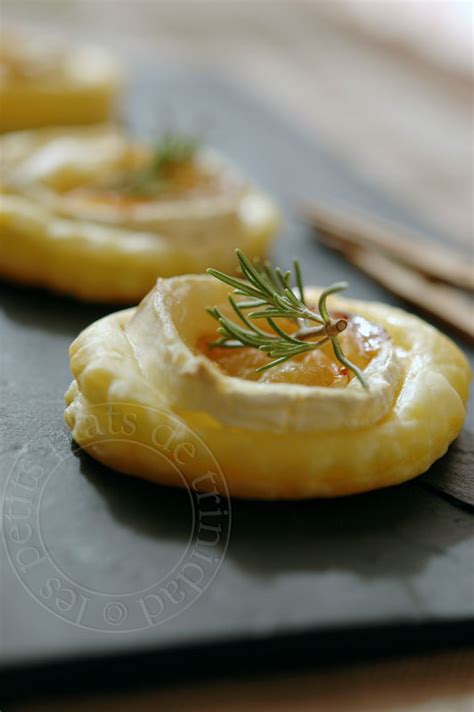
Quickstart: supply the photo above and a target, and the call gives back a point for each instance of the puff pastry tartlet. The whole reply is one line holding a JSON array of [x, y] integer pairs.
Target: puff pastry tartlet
[[43, 83], [306, 427], [92, 213]]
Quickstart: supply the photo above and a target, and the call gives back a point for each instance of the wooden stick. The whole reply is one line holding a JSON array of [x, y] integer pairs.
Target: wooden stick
[[399, 242], [440, 301]]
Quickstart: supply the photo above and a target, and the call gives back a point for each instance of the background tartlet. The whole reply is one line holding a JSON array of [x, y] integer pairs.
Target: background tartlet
[[85, 212], [45, 83]]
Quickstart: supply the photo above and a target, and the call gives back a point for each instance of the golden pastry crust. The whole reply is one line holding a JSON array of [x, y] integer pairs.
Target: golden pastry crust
[[43, 83], [53, 236], [269, 439]]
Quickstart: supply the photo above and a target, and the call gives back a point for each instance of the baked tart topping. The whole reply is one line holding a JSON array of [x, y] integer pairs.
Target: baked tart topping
[[173, 169], [101, 173], [360, 342], [280, 338]]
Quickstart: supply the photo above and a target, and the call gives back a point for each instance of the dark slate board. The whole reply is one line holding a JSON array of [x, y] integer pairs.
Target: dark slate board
[[385, 572]]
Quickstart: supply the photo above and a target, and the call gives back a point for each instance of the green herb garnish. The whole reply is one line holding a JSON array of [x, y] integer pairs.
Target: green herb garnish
[[270, 295], [173, 149]]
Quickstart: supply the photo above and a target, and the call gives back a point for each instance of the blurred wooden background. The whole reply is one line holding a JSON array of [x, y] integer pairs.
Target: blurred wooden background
[[386, 84]]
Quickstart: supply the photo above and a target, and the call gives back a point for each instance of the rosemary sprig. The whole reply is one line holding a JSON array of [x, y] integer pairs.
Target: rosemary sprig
[[172, 149], [268, 294]]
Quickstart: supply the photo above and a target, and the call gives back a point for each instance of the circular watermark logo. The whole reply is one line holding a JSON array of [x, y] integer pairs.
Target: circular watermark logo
[[116, 554]]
